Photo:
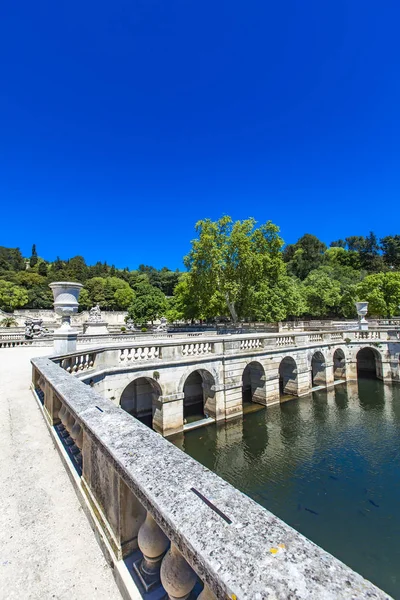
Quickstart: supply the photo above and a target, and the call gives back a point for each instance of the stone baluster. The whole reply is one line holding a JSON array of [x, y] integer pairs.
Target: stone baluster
[[69, 425], [75, 431], [177, 576], [64, 414], [153, 543], [61, 415], [206, 594]]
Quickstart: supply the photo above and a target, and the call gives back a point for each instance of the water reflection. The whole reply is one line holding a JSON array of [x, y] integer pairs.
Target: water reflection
[[328, 464]]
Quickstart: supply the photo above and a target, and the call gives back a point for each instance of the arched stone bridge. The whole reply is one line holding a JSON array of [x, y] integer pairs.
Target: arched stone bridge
[[171, 384]]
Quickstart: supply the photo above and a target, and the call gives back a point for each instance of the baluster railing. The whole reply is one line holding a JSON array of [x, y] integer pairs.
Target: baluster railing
[[177, 576]]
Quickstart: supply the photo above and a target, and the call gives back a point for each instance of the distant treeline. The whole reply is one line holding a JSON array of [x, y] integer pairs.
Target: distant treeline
[[234, 270]]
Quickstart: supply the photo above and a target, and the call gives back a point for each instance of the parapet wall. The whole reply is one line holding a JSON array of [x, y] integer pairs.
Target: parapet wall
[[144, 492]]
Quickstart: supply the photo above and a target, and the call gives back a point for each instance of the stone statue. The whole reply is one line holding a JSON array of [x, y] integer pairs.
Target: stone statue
[[34, 329], [130, 325], [95, 324], [95, 314]]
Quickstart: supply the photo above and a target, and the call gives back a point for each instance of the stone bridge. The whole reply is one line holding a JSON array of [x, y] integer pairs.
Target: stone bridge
[[175, 384]]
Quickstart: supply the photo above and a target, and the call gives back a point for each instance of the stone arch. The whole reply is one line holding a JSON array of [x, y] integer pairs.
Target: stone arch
[[288, 380], [140, 398], [318, 369], [339, 364], [253, 383], [369, 363], [198, 395]]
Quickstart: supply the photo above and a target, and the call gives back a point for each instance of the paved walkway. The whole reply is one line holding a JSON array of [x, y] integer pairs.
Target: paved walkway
[[47, 548]]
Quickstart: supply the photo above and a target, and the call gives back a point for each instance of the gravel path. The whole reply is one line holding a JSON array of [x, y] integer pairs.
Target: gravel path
[[47, 548]]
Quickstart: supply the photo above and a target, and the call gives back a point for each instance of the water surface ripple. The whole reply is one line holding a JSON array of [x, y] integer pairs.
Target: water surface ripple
[[328, 464]]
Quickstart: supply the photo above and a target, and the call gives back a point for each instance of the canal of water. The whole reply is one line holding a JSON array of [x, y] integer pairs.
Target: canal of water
[[328, 464]]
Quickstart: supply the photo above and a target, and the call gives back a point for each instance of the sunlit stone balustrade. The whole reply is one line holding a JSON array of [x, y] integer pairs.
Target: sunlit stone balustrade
[[144, 495]]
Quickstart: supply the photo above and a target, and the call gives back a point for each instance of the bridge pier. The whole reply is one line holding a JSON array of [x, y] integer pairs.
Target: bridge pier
[[168, 416], [233, 401]]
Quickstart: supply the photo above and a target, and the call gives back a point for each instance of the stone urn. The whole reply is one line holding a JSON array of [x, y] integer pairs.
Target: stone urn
[[66, 294], [362, 309]]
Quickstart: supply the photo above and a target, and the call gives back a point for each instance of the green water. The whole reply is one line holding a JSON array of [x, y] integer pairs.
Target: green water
[[328, 464]]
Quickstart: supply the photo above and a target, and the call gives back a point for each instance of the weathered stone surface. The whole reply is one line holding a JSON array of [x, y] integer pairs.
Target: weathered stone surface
[[250, 553]]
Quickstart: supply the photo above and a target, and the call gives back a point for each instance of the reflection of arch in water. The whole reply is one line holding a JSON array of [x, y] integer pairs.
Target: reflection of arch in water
[[339, 365], [369, 364], [140, 398], [288, 382], [198, 395], [253, 383], [318, 369]]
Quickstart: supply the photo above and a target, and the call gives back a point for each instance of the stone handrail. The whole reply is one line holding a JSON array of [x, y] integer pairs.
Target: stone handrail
[[146, 492], [170, 350]]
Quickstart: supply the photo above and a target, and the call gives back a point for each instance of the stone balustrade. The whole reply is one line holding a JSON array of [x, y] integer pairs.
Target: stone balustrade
[[285, 340], [197, 349], [169, 350], [147, 499], [251, 343], [140, 353]]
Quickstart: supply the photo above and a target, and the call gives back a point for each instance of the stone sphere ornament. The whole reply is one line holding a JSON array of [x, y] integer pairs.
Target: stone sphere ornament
[[66, 294]]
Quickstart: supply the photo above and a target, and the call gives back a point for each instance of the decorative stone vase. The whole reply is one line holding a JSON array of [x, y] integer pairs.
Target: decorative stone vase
[[66, 294], [362, 309]]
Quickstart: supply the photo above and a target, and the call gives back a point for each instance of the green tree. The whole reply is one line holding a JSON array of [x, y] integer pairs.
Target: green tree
[[276, 302], [228, 259], [123, 298], [11, 259], [29, 279], [338, 244], [148, 305], [9, 322], [391, 251], [338, 256], [322, 294], [77, 269], [382, 291], [12, 296], [355, 243], [370, 257], [304, 256], [34, 257], [84, 300], [96, 290], [42, 268]]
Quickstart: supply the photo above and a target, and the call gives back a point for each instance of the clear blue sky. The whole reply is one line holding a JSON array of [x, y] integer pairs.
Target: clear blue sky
[[122, 123]]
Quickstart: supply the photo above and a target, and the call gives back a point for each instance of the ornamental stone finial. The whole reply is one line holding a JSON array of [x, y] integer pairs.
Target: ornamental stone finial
[[66, 294]]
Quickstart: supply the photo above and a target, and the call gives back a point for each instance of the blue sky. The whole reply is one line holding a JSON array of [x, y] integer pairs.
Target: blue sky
[[122, 123]]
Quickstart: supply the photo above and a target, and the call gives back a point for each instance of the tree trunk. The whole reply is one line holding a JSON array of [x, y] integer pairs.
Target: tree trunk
[[231, 306]]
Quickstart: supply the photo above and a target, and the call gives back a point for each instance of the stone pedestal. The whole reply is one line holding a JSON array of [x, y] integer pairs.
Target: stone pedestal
[[95, 328], [65, 341]]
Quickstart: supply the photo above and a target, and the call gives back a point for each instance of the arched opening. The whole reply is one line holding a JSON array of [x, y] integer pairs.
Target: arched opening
[[318, 370], [369, 364], [339, 365], [198, 396], [253, 384], [288, 384], [139, 399]]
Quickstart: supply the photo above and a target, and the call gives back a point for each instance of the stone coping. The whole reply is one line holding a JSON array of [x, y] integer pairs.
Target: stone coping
[[244, 551], [175, 341]]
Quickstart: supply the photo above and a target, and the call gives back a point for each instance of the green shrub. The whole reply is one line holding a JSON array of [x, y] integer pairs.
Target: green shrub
[[144, 329]]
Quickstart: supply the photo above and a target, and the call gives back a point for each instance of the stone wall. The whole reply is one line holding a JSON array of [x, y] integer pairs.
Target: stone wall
[[143, 494]]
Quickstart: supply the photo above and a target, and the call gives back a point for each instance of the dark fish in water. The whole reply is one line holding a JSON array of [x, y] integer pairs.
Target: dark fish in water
[[333, 477], [360, 512], [373, 503], [311, 511]]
